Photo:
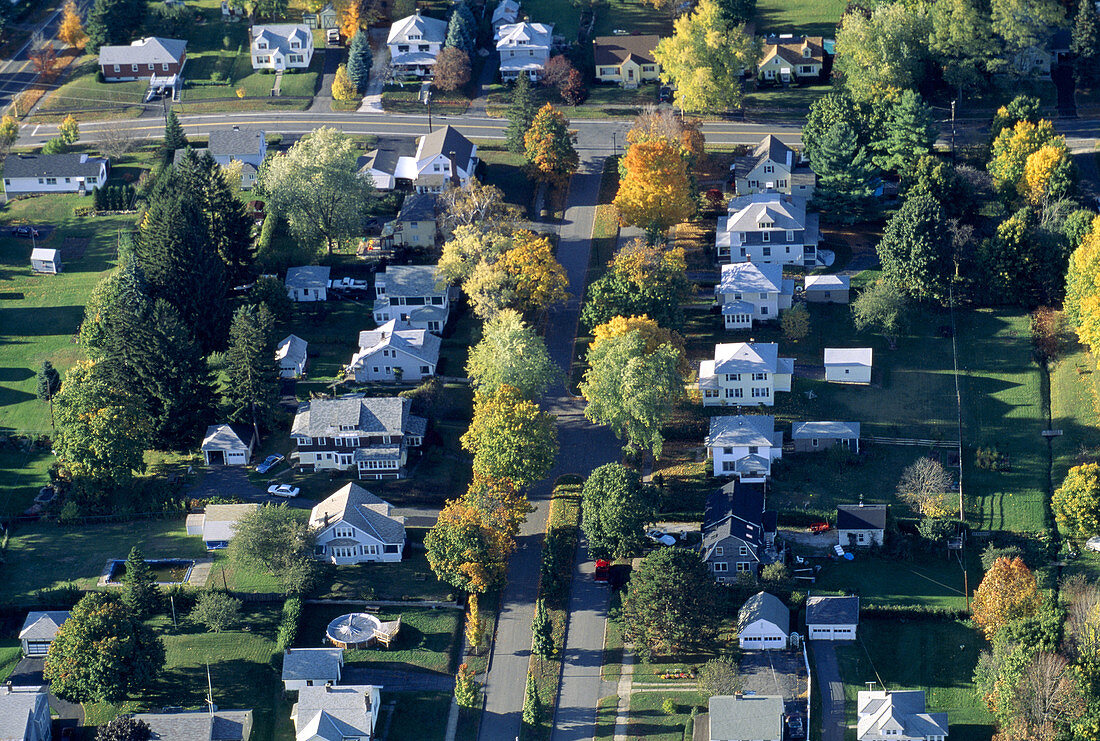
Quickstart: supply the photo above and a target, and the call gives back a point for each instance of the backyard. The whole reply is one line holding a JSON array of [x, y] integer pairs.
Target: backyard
[[925, 581], [810, 17]]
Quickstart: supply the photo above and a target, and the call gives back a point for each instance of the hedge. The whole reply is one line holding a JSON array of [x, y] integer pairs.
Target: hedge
[[289, 623]]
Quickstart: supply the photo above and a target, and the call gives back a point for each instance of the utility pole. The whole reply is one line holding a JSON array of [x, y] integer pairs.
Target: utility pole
[[953, 129]]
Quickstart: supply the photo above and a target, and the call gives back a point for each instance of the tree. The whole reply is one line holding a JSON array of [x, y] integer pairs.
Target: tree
[[140, 593], [55, 146], [1082, 304], [932, 176], [279, 541], [115, 141], [962, 42], [653, 335], [342, 86], [909, 133], [671, 604], [615, 508], [1049, 174], [737, 11], [825, 113], [469, 247], [44, 59], [846, 176], [1011, 149], [475, 204], [656, 191], [174, 138], [548, 147], [542, 632], [719, 676], [916, 251], [574, 91], [795, 322], [49, 381], [662, 124], [1023, 262], [537, 279], [882, 53], [1020, 108], [1008, 592], [1076, 503], [500, 503], [1085, 44], [271, 292], [252, 382], [521, 112], [102, 652], [475, 625], [880, 307], [510, 437], [124, 728], [1025, 28], [532, 707], [511, 353], [642, 280], [350, 23], [9, 132], [703, 60], [71, 30], [924, 486], [452, 69], [555, 73], [1048, 698], [464, 551], [316, 187], [360, 60], [217, 611], [466, 687]]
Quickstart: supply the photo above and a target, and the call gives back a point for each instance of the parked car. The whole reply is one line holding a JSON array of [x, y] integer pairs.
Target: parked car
[[283, 490], [795, 727], [26, 232], [819, 527], [269, 463], [332, 36], [658, 536], [664, 95]]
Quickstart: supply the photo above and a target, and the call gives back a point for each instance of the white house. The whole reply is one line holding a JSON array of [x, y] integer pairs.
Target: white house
[[744, 446], [749, 292], [355, 526], [307, 283], [45, 261], [768, 228], [414, 42], [763, 622], [411, 295], [39, 630], [832, 618], [788, 58], [53, 173], [309, 667], [217, 523], [505, 13], [199, 725], [336, 713], [848, 364], [396, 351], [743, 717], [247, 146], [897, 715], [24, 714], [827, 289], [744, 374], [772, 166], [228, 445], [860, 524], [290, 353], [524, 49], [443, 156], [281, 46], [814, 437]]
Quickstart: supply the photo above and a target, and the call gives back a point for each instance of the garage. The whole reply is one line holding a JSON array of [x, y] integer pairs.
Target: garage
[[763, 623], [832, 618], [39, 631], [227, 445]]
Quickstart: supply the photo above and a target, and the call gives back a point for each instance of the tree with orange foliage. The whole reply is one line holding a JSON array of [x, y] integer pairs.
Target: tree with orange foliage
[[464, 551], [1008, 591], [44, 60], [500, 503], [71, 30], [350, 20], [655, 192], [538, 278]]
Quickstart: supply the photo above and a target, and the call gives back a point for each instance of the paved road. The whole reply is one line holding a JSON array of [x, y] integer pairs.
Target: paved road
[[17, 73], [831, 688]]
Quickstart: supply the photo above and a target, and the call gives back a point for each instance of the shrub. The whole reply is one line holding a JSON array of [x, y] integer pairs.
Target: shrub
[[217, 611], [992, 552], [775, 572], [289, 623], [668, 706]]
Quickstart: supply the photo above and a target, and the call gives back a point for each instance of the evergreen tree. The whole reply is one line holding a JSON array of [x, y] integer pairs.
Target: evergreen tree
[[521, 112], [542, 631], [229, 226], [113, 22], [49, 381], [909, 134], [460, 33], [532, 707], [846, 177], [1085, 44], [140, 593], [174, 138], [252, 383], [916, 250], [360, 61]]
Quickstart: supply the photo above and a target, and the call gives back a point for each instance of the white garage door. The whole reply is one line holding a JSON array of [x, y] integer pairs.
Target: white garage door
[[236, 459], [37, 648]]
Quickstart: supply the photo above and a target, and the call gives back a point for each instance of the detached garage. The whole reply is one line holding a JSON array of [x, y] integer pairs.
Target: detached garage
[[832, 618], [764, 622], [227, 445], [848, 364], [39, 630]]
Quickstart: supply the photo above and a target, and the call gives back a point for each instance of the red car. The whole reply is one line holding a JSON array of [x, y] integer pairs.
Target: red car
[[603, 570], [819, 527]]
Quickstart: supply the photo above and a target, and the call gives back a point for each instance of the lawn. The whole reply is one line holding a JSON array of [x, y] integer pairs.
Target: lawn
[[22, 474], [419, 716], [935, 656], [794, 100], [82, 90], [504, 169], [648, 719], [809, 17], [11, 652], [929, 581], [412, 578]]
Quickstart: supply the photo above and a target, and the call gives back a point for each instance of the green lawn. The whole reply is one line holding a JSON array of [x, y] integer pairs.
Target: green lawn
[[929, 581], [11, 651], [504, 169], [83, 90], [795, 100], [419, 716], [809, 17], [411, 579], [648, 719], [22, 474], [935, 656]]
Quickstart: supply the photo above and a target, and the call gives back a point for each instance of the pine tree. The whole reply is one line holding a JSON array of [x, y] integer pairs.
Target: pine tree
[[909, 134], [360, 61], [460, 33], [1085, 44], [521, 112], [532, 708], [140, 592], [542, 631], [252, 375], [49, 381], [846, 177], [174, 138], [230, 228]]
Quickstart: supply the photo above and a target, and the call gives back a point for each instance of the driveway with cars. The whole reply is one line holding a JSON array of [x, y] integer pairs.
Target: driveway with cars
[[780, 673]]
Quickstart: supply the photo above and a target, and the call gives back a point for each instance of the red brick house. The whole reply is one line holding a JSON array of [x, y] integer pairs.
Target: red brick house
[[143, 58]]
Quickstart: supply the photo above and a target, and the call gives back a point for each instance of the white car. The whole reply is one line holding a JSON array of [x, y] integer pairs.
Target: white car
[[283, 490], [660, 537]]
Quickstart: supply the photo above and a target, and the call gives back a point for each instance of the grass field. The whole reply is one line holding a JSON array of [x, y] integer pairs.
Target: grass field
[[11, 651], [810, 17], [931, 581], [411, 578], [648, 719], [419, 716]]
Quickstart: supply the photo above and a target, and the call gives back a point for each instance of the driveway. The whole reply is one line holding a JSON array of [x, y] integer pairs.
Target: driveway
[[28, 673], [823, 656], [228, 481], [780, 673], [397, 681]]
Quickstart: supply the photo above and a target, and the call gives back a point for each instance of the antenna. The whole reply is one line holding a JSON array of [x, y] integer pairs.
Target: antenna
[[209, 690]]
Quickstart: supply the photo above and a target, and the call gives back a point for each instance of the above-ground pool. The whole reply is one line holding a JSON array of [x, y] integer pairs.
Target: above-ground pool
[[165, 570], [355, 630]]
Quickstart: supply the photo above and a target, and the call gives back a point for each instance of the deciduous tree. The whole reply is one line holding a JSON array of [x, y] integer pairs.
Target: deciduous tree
[[478, 205], [916, 251], [719, 676], [555, 72], [1049, 174], [511, 438], [615, 508], [574, 91], [656, 191], [924, 486], [466, 687], [342, 86], [464, 551], [217, 611], [882, 53], [500, 503], [71, 30], [124, 728], [538, 278], [1008, 592], [1025, 28], [548, 147], [881, 308], [662, 124], [962, 42], [671, 604], [511, 353], [279, 541], [795, 322], [641, 279], [1076, 503], [452, 69], [1083, 288], [1013, 146], [9, 132]]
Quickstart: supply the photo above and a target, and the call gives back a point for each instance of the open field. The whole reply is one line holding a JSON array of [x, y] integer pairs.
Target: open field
[[418, 716], [811, 17]]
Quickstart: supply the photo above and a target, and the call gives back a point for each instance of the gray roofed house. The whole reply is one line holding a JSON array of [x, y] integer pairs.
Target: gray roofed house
[[308, 282], [24, 714], [355, 526], [769, 227], [885, 715], [39, 630], [742, 430], [430, 168], [291, 353], [336, 713], [829, 610], [395, 351], [381, 163], [410, 294], [281, 46], [735, 442], [745, 718], [444, 141], [199, 725], [228, 444], [744, 373], [809, 437], [234, 144], [53, 173], [417, 207], [772, 165], [861, 524], [738, 534], [150, 50], [827, 289], [217, 523], [306, 667]]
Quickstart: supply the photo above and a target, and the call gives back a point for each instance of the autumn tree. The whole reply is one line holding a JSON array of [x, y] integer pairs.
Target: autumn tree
[[511, 438], [1049, 174], [883, 52], [641, 279], [350, 22], [1082, 303], [1008, 591], [475, 625], [548, 147], [536, 277], [511, 353], [663, 124], [502, 506], [464, 551], [924, 485], [467, 690], [71, 30], [9, 132], [795, 322], [342, 86], [656, 191], [653, 335], [1013, 146], [615, 508], [671, 603], [44, 59], [1076, 503], [452, 69], [475, 204]]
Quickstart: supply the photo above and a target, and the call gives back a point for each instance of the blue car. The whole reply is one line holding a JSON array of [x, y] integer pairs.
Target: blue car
[[269, 463]]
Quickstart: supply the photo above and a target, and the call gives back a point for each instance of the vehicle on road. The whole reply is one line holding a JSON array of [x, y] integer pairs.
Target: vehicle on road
[[795, 727], [658, 536], [283, 490], [269, 463]]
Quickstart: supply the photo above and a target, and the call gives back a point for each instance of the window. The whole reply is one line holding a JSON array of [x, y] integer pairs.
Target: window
[[760, 376], [766, 236], [754, 449], [369, 550], [767, 251], [7, 181], [728, 466], [861, 537], [437, 300], [744, 550], [51, 181], [68, 180], [133, 68], [743, 565], [151, 66], [761, 393], [763, 311], [719, 551], [790, 235], [752, 183], [721, 566], [117, 68], [733, 376], [769, 169], [402, 48], [813, 442], [806, 53], [727, 451], [425, 370], [164, 67]]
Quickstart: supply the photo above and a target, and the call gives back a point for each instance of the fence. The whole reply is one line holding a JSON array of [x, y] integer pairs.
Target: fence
[[912, 442]]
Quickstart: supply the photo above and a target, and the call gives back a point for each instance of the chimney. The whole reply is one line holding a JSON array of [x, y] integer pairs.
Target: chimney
[[328, 686], [7, 688]]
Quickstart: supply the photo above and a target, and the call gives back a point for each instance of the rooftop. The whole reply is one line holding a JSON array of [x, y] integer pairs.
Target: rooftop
[[227, 437], [321, 664], [861, 517], [308, 276], [353, 413], [410, 280], [841, 430], [748, 277], [150, 50], [744, 430], [199, 725], [53, 165], [43, 626], [764, 606], [235, 142], [822, 610], [354, 505], [614, 50], [848, 356], [828, 282], [746, 717]]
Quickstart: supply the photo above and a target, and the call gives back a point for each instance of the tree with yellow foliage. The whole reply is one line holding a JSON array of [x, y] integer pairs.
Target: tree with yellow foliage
[[653, 336], [71, 30], [1013, 146], [641, 279], [9, 132], [548, 147], [342, 87], [538, 279], [655, 192], [1082, 302], [464, 551], [350, 21], [1009, 591], [500, 503], [1048, 174]]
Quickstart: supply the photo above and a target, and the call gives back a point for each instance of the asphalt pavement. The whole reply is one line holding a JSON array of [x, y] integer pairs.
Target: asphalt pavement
[[825, 666]]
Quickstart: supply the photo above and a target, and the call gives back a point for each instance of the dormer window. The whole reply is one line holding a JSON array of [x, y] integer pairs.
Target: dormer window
[[806, 52], [766, 224], [261, 44], [295, 45], [769, 169]]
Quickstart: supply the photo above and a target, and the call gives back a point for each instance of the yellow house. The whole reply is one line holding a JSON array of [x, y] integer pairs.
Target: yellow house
[[789, 58], [627, 60]]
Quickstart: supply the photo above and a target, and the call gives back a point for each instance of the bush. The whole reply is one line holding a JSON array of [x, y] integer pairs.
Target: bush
[[65, 595], [911, 612], [289, 623], [991, 459], [217, 611], [668, 706], [775, 572], [992, 552]]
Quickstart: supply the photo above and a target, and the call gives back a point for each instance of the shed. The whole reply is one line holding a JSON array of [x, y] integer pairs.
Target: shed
[[291, 354], [46, 261], [307, 283], [813, 437], [228, 445], [217, 524], [827, 289], [307, 667], [861, 524], [763, 622], [832, 618], [39, 630], [848, 364]]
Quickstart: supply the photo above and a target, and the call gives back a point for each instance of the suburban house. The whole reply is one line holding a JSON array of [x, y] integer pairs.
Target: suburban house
[[415, 224], [247, 146], [812, 437], [372, 435], [442, 156], [53, 173], [848, 364], [744, 373], [749, 292], [281, 46], [307, 283], [45, 261], [744, 446], [763, 622], [144, 58], [627, 60], [325, 18], [505, 13], [217, 523], [411, 295], [768, 228], [380, 164], [355, 526], [228, 445], [524, 49], [832, 618], [199, 725], [291, 356], [395, 351], [738, 533], [336, 713], [827, 289], [860, 524], [309, 667], [414, 43], [24, 714], [788, 58], [897, 715], [772, 166], [743, 718], [39, 630]]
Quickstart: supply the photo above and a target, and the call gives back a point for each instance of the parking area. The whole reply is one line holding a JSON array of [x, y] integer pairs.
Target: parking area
[[776, 673]]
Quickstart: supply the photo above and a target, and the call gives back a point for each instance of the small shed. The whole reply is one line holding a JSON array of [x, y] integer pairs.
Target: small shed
[[307, 283], [46, 262], [848, 365], [327, 17], [307, 667], [827, 289], [813, 437], [861, 524], [832, 618], [217, 524], [764, 622], [291, 355], [228, 445], [39, 630]]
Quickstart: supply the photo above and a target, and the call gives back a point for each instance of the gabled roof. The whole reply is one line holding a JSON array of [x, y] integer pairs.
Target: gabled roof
[[839, 430], [429, 29], [746, 357], [614, 50], [419, 343], [308, 276], [744, 430], [525, 36], [361, 509], [901, 710], [53, 166], [746, 213], [848, 356], [41, 253], [823, 610], [745, 717], [17, 708], [736, 510], [386, 415], [319, 664], [335, 713], [769, 149], [748, 277], [861, 517], [292, 347], [444, 141], [236, 142], [43, 626], [219, 521], [789, 48], [227, 437], [828, 282], [199, 725], [764, 606], [410, 280], [280, 35], [506, 11], [417, 207], [151, 50]]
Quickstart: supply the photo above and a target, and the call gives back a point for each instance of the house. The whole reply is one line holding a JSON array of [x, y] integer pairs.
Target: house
[[45, 262], [738, 533], [861, 524], [772, 166], [744, 373], [309, 667], [336, 713], [524, 49], [24, 714], [411, 295], [39, 630], [898, 715], [228, 445], [505, 13], [325, 18], [217, 523], [415, 225], [371, 435], [827, 289], [291, 356], [763, 622], [355, 526], [395, 351], [848, 364], [768, 228], [247, 146], [749, 292], [812, 437], [442, 156], [199, 725], [787, 58], [744, 718], [381, 164], [281, 46], [831, 618], [744, 446], [627, 60], [414, 42], [142, 59], [53, 173], [307, 283]]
